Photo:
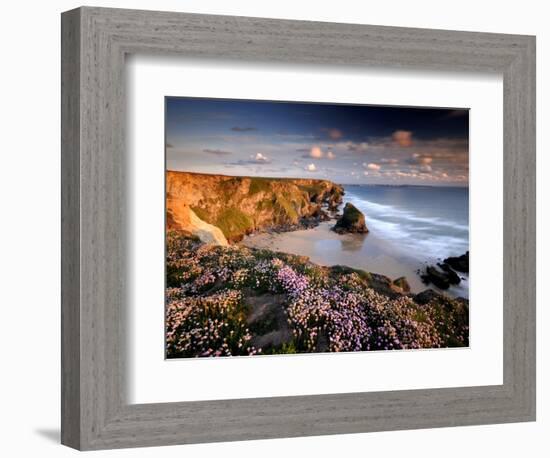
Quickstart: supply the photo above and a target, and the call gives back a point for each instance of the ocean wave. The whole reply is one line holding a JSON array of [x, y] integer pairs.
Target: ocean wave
[[393, 212], [420, 237]]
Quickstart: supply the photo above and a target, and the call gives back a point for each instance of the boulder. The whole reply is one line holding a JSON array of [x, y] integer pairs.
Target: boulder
[[437, 277], [425, 296], [402, 284], [445, 274], [267, 320], [352, 221], [459, 263], [452, 276]]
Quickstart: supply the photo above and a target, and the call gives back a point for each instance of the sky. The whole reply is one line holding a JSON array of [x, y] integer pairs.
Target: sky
[[348, 144]]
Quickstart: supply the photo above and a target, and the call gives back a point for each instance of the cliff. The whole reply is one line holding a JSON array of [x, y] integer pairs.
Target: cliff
[[201, 204]]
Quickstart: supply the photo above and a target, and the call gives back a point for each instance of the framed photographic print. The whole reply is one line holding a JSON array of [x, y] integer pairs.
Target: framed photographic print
[[284, 228], [289, 190]]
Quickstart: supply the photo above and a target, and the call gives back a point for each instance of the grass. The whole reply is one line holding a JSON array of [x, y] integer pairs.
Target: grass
[[270, 202], [343, 270], [259, 185], [286, 205], [234, 223], [202, 214], [312, 189], [283, 349], [351, 213]]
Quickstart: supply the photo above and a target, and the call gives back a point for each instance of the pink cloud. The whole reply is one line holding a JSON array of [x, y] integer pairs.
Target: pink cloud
[[316, 152], [334, 134], [422, 159], [389, 161], [402, 137]]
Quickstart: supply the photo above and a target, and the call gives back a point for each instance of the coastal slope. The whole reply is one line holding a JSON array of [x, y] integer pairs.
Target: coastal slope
[[234, 300], [237, 206]]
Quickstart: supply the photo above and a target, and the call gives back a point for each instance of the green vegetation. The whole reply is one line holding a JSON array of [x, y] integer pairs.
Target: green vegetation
[[345, 270], [285, 205], [202, 214], [313, 189], [259, 185], [351, 221], [283, 349], [351, 213], [234, 223]]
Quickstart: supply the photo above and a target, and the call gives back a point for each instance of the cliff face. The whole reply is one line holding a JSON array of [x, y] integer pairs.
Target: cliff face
[[240, 205]]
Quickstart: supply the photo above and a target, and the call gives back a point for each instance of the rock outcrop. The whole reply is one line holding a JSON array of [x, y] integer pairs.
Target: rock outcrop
[[351, 221], [241, 205], [459, 263], [444, 275], [402, 284], [181, 217]]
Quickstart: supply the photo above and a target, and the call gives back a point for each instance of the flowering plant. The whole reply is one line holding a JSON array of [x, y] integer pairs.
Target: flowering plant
[[211, 291]]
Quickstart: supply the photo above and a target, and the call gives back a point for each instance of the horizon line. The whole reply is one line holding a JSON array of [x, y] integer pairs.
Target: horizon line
[[446, 185]]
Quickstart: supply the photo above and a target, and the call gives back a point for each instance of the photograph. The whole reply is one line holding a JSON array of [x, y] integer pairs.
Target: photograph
[[304, 227]]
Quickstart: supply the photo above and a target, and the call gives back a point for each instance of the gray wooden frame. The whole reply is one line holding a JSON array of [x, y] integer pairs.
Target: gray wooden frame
[[95, 41]]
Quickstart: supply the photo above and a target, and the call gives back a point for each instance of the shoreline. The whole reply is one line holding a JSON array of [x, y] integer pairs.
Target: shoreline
[[367, 252]]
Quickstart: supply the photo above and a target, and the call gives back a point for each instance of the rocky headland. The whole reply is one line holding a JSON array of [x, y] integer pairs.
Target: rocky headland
[[221, 209]]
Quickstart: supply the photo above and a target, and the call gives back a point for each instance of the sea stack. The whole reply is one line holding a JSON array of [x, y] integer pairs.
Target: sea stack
[[352, 221]]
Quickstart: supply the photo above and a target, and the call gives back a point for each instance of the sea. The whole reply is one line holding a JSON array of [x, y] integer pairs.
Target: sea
[[425, 222]]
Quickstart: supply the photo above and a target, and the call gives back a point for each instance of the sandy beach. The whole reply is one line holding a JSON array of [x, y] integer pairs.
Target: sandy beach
[[362, 251]]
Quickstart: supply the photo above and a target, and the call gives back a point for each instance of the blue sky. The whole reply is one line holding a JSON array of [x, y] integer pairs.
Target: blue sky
[[344, 143]]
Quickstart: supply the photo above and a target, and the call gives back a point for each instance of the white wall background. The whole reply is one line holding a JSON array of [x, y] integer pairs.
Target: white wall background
[[29, 229]]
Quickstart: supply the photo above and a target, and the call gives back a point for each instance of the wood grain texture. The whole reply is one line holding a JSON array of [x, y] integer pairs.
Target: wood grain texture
[[70, 229], [96, 414]]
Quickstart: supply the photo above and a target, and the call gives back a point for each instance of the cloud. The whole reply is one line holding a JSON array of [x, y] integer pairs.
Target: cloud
[[333, 133], [259, 158], [402, 137], [217, 152], [311, 168], [425, 169], [255, 159], [389, 161], [243, 129], [372, 173], [358, 147], [371, 166], [420, 159], [316, 152]]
